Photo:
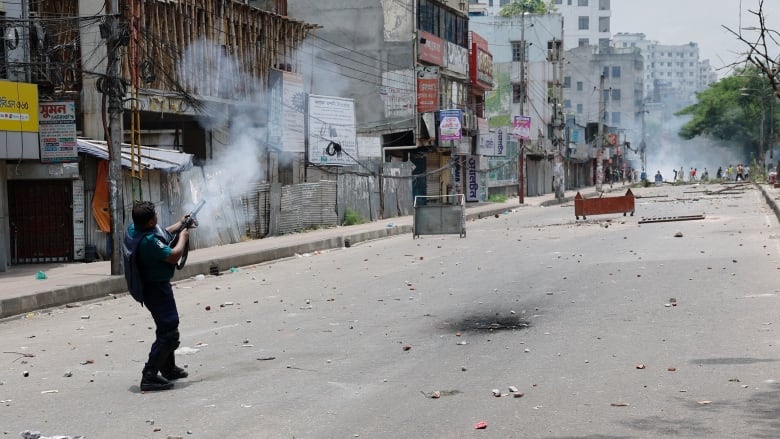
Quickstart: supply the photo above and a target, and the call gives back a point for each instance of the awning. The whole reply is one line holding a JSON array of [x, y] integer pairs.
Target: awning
[[164, 160]]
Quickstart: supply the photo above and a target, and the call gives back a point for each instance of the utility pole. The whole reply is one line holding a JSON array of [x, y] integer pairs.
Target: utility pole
[[521, 143], [554, 51], [600, 138], [113, 86]]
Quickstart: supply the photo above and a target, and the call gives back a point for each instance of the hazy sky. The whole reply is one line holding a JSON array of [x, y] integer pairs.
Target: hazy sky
[[701, 21]]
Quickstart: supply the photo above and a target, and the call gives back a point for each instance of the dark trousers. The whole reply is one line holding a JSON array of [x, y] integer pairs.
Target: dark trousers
[[159, 300]]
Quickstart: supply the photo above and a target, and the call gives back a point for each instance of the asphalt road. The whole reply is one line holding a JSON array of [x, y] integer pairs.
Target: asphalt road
[[607, 327]]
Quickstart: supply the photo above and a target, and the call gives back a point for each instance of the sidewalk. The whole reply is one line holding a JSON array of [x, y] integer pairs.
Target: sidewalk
[[21, 292]]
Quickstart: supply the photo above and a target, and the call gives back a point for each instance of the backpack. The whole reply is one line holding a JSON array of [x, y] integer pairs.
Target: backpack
[[133, 277]]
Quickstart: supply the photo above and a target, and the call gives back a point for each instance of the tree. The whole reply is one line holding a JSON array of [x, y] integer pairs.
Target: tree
[[737, 109], [762, 45], [517, 7]]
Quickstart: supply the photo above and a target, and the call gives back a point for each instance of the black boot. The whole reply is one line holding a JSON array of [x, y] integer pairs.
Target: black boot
[[171, 371], [151, 381]]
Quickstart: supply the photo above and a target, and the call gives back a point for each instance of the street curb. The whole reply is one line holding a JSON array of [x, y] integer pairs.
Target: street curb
[[769, 200]]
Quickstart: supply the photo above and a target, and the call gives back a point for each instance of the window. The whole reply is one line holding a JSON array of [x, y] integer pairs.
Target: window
[[616, 71], [605, 72], [584, 23], [567, 82], [582, 42], [615, 95], [569, 2], [567, 103], [616, 118], [579, 85], [517, 51], [442, 22], [604, 5], [558, 2], [517, 93], [603, 24], [579, 108], [582, 2], [503, 2]]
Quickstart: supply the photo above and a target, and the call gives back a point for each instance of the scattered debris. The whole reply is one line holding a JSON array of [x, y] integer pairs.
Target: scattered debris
[[669, 219], [41, 275], [266, 358], [481, 425], [640, 366], [619, 404], [27, 434]]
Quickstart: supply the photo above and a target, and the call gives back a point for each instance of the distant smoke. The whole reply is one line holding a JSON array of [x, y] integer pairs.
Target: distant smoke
[[669, 151], [238, 136]]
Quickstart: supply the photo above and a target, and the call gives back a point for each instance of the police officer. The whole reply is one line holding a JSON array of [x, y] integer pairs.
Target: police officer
[[156, 262]]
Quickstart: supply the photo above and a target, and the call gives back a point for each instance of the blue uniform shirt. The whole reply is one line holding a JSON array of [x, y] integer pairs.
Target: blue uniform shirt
[[152, 252]]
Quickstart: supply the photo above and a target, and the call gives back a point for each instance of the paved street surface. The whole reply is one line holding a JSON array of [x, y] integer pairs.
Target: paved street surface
[[606, 327]]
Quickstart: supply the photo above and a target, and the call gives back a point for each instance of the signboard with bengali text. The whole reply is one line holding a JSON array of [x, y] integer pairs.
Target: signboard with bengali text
[[18, 107], [57, 132]]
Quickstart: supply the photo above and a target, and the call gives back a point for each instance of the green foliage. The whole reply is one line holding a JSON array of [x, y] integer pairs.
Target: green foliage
[[500, 121], [731, 110], [517, 7], [351, 218], [497, 198]]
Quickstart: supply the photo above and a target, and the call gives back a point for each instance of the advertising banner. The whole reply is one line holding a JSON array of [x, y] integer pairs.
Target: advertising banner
[[427, 89], [398, 93], [18, 107], [457, 59], [450, 125], [521, 127], [58, 132], [472, 178], [286, 116], [501, 142], [332, 131], [431, 48]]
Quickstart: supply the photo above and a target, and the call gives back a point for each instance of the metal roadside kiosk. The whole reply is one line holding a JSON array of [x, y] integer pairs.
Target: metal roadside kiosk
[[439, 219]]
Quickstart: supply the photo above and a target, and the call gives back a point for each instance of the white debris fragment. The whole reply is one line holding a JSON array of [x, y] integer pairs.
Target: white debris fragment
[[184, 350]]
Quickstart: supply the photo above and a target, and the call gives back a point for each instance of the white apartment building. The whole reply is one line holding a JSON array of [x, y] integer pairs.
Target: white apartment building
[[587, 22], [673, 73]]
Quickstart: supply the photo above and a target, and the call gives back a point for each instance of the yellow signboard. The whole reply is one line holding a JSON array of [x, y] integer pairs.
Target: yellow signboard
[[18, 107]]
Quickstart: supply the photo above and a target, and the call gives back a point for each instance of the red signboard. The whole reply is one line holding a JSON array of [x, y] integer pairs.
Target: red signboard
[[427, 89], [480, 63], [427, 95], [431, 48]]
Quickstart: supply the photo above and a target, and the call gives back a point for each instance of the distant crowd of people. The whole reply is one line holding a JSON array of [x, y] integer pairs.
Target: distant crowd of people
[[724, 173]]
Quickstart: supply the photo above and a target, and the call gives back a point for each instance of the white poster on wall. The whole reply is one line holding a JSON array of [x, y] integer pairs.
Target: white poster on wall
[[369, 147], [332, 132], [286, 99], [79, 241]]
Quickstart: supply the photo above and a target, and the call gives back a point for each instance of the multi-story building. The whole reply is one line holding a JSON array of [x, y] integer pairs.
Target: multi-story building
[[619, 105], [407, 66], [673, 73], [527, 68], [179, 76], [587, 22]]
